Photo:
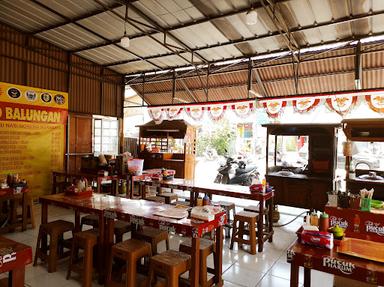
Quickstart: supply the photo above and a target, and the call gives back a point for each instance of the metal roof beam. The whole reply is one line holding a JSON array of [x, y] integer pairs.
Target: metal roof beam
[[273, 34], [92, 32], [187, 24]]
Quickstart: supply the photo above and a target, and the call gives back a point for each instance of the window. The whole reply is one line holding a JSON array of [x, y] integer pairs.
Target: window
[[105, 135], [291, 151]]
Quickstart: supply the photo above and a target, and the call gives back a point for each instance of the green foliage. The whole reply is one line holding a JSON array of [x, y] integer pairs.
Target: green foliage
[[221, 137]]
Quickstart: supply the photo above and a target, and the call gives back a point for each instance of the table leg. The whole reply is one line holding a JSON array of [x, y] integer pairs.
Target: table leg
[[219, 256], [260, 227], [100, 250], [77, 221], [195, 262], [307, 277], [270, 220], [108, 242], [25, 211], [191, 198], [16, 277], [53, 183], [44, 220], [294, 274]]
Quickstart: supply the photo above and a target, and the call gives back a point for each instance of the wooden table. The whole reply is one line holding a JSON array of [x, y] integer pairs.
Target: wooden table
[[14, 257], [95, 204], [14, 197], [236, 191], [138, 211], [330, 261]]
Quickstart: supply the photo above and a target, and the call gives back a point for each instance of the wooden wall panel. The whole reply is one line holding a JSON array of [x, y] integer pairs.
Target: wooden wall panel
[[27, 60]]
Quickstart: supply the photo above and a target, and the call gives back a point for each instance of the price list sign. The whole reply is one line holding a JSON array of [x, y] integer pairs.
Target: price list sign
[[32, 134]]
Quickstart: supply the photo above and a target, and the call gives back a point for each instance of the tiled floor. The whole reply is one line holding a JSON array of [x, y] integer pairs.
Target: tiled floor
[[239, 268]]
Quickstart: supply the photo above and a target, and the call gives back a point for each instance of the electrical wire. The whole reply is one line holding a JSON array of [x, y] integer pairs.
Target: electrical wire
[[289, 222]]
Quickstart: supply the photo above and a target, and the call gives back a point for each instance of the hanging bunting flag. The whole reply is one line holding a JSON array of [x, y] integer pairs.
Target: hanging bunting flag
[[173, 112], [156, 114], [195, 112], [243, 109], [216, 112], [375, 102], [274, 108], [341, 104], [305, 104]]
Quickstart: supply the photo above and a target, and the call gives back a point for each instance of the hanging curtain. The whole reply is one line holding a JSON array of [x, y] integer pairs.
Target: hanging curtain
[[342, 104], [156, 114], [216, 112], [243, 109], [375, 102], [195, 112], [173, 112], [274, 108], [305, 105]]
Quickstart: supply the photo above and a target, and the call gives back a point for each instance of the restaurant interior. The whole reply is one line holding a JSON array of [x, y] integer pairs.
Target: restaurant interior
[[191, 143]]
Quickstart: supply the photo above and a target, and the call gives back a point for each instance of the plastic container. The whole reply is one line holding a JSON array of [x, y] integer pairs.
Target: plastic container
[[206, 200], [324, 222], [135, 166]]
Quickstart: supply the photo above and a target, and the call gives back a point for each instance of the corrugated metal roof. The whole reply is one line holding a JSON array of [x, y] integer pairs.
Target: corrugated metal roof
[[129, 68], [107, 54]]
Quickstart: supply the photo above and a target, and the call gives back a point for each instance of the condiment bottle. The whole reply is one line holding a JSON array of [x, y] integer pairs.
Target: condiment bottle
[[199, 201], [314, 219], [264, 183], [324, 222], [356, 223], [206, 200]]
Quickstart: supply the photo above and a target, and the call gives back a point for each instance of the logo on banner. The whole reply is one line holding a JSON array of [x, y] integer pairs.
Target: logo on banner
[[46, 97], [172, 112], [14, 93], [274, 108], [373, 227], [343, 266], [217, 112], [30, 95], [59, 99], [305, 105], [156, 114], [342, 104], [375, 102], [242, 110], [343, 223]]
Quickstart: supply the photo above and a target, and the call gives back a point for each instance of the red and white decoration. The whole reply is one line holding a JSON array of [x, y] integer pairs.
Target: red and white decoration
[[342, 104], [243, 109], [216, 112], [375, 102], [274, 107], [305, 104], [195, 112], [173, 112], [156, 114]]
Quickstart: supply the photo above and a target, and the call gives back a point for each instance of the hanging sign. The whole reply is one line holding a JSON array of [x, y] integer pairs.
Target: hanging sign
[[305, 104], [156, 114], [173, 112], [216, 112], [341, 104], [195, 112], [32, 129], [243, 109], [375, 102], [274, 108]]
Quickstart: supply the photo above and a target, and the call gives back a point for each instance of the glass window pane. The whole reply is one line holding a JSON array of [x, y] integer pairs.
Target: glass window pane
[[106, 124], [97, 123], [97, 148], [114, 124], [97, 140], [97, 132]]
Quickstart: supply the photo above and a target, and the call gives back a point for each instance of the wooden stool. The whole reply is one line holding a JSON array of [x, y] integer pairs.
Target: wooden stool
[[130, 251], [55, 230], [29, 213], [153, 236], [120, 227], [228, 206], [239, 232], [255, 209], [170, 264], [207, 247], [168, 196], [86, 240]]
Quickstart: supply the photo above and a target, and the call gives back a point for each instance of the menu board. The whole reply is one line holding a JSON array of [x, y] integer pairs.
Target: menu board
[[32, 134]]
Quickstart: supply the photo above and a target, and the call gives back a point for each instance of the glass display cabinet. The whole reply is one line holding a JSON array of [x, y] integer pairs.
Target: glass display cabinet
[[170, 144], [364, 155], [300, 163]]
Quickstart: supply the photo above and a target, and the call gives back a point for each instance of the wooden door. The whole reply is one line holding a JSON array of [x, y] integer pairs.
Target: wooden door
[[80, 140]]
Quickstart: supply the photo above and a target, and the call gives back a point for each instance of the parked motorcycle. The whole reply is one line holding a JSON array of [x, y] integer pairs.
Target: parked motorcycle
[[236, 172]]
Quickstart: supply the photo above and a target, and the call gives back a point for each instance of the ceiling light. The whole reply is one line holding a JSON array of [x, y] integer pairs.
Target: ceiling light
[[251, 17], [124, 42]]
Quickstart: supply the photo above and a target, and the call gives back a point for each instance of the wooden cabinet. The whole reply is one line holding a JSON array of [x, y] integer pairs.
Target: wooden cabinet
[[364, 130], [305, 186], [174, 143]]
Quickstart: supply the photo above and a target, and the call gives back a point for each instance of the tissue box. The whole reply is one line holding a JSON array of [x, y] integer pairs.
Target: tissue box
[[317, 238], [206, 213]]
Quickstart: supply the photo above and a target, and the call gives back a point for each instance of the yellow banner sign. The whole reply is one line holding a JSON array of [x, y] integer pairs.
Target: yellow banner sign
[[32, 134]]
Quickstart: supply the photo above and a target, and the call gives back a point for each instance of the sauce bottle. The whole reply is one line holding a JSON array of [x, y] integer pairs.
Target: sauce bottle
[[324, 222], [206, 200], [199, 201], [356, 223], [314, 219]]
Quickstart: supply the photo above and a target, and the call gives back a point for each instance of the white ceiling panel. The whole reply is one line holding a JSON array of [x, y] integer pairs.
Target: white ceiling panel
[[133, 67], [106, 55]]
